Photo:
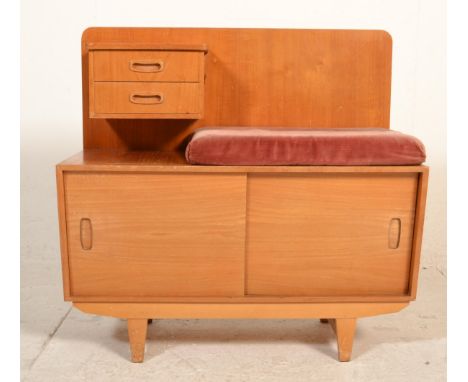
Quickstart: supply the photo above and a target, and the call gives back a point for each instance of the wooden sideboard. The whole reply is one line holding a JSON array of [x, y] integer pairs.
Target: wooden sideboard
[[145, 235]]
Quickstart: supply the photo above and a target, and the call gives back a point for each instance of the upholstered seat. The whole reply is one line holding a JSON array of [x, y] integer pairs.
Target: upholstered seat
[[268, 146]]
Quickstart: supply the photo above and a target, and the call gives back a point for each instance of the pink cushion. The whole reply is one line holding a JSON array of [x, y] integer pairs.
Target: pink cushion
[[261, 146]]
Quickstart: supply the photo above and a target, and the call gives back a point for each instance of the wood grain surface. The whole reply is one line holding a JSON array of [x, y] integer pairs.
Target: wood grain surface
[[328, 234], [259, 77], [156, 234]]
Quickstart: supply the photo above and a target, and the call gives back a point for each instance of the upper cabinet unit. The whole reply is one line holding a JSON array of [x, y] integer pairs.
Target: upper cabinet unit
[[146, 81]]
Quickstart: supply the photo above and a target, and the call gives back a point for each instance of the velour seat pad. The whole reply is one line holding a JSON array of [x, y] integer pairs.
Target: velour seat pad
[[281, 146]]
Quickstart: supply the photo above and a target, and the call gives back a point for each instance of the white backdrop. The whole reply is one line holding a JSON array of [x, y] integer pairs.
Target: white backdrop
[[51, 86]]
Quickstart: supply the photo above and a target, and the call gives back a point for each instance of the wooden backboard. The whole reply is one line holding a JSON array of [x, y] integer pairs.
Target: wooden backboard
[[260, 77]]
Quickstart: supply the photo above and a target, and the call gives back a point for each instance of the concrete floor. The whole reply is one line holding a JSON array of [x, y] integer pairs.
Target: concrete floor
[[62, 344]]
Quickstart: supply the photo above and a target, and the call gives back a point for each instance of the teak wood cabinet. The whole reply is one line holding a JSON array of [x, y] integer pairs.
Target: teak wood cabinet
[[145, 235]]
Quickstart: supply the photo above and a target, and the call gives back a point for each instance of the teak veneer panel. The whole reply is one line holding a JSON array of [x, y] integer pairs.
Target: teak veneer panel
[[328, 234], [156, 234], [258, 77]]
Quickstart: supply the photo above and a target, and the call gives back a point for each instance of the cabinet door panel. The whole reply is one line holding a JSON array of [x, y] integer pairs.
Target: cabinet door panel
[[143, 235], [329, 234]]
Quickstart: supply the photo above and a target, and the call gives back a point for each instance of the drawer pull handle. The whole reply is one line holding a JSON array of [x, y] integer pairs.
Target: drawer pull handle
[[147, 66], [146, 98], [86, 234], [394, 233]]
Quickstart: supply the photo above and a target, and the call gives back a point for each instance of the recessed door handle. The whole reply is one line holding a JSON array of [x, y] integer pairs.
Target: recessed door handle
[[86, 234], [394, 233]]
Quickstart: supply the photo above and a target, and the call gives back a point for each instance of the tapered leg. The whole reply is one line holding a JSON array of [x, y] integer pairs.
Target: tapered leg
[[344, 329], [137, 328]]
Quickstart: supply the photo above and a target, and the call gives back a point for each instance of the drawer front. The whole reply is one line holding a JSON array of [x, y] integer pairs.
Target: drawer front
[[146, 98], [325, 235], [134, 65], [155, 235]]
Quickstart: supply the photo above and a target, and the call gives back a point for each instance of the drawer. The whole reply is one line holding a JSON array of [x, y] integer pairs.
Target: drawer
[[141, 65], [114, 99]]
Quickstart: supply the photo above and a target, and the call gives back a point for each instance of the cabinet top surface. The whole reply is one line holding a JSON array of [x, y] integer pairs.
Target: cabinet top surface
[[172, 161]]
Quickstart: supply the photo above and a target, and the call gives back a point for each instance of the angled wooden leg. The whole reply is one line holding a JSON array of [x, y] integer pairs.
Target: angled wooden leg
[[344, 329], [137, 336]]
